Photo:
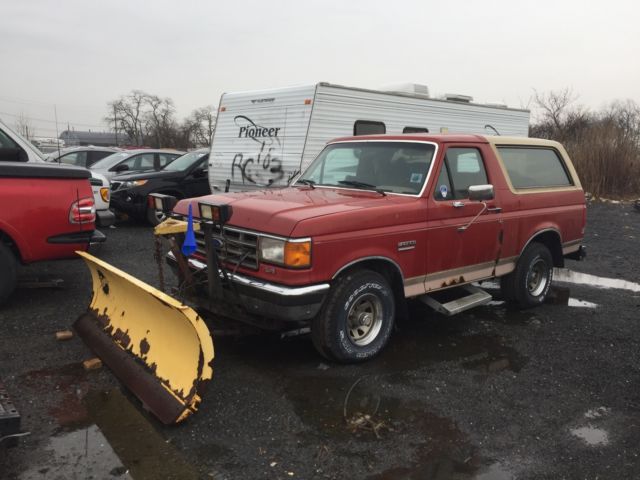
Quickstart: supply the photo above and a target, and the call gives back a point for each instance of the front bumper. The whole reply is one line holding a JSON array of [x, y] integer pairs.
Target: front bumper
[[263, 299], [128, 202]]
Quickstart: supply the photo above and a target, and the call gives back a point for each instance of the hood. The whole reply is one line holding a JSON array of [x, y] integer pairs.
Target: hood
[[146, 175], [300, 212]]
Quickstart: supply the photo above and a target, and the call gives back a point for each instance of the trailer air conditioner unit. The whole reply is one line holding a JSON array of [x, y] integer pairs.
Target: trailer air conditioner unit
[[414, 89]]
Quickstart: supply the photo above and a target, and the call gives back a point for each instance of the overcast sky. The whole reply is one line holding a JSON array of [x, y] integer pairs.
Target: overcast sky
[[80, 54]]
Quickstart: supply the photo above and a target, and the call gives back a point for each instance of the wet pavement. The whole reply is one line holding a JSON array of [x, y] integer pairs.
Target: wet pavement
[[493, 393]]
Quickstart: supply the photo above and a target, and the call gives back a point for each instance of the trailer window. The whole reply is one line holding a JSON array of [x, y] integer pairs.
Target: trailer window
[[534, 167], [415, 130], [368, 127]]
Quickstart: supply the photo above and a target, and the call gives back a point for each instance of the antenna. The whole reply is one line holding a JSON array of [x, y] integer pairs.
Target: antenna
[[55, 113], [492, 128]]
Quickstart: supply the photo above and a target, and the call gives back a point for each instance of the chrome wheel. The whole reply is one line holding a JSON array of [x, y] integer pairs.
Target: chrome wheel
[[364, 319], [538, 277], [160, 216]]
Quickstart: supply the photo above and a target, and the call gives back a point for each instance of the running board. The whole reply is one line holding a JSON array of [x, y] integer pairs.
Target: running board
[[470, 297]]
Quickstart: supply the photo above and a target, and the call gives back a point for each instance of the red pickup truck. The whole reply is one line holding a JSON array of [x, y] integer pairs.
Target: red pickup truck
[[46, 213], [376, 220]]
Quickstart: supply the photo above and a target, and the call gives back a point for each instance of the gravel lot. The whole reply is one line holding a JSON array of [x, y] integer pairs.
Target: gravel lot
[[490, 394]]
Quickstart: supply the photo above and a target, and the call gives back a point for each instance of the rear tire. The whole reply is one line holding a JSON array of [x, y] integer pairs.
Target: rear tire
[[528, 285], [356, 320], [9, 275]]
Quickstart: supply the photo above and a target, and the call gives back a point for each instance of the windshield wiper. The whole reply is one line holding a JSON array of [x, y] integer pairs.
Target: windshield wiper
[[357, 184], [305, 181]]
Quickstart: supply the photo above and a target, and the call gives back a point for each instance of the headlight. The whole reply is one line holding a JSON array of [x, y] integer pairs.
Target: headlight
[[104, 193], [288, 253], [133, 183], [218, 214]]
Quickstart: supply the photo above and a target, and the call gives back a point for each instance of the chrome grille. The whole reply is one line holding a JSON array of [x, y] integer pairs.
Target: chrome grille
[[237, 244]]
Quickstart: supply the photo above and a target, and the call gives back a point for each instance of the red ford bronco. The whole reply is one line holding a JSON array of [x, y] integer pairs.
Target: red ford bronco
[[376, 220]]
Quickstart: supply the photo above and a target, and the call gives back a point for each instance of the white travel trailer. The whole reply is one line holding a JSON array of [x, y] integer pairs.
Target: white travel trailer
[[266, 137]]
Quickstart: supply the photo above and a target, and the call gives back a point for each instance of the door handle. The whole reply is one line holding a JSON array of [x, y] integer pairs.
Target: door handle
[[458, 204], [494, 209]]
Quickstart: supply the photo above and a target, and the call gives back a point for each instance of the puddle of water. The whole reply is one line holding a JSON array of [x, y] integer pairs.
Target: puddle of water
[[102, 434], [68, 381], [440, 450], [574, 302], [569, 276], [591, 435], [419, 345], [84, 453], [144, 451]]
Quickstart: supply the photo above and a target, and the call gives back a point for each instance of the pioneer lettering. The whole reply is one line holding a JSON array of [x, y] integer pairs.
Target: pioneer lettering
[[258, 132]]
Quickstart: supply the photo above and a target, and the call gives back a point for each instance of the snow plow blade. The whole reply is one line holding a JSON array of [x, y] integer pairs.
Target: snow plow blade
[[158, 347]]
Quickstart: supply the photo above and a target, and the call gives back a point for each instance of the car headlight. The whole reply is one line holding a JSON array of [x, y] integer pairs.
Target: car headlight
[[133, 183], [288, 253], [104, 193]]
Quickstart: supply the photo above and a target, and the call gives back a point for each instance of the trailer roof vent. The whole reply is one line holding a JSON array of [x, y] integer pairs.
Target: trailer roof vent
[[456, 97], [408, 88], [496, 105]]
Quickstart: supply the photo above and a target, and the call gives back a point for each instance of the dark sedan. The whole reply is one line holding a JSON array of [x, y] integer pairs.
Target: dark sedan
[[185, 177]]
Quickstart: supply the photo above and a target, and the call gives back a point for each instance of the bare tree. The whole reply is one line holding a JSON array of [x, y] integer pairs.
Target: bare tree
[[160, 124], [150, 120], [24, 127], [558, 116], [126, 114], [201, 124]]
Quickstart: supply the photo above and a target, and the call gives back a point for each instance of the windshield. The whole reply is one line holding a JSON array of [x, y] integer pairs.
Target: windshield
[[397, 167], [110, 161], [185, 161]]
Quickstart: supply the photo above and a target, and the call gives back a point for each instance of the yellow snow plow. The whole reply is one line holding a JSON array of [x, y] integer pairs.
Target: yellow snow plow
[[159, 348]]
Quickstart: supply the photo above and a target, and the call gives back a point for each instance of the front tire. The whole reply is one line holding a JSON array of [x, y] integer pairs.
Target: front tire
[[528, 285], [356, 320], [9, 275], [154, 217]]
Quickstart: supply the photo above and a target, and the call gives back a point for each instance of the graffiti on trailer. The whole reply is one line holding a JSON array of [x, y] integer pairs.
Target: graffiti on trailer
[[265, 169]]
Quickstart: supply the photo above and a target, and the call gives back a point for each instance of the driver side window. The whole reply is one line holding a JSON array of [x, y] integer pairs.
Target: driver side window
[[462, 167]]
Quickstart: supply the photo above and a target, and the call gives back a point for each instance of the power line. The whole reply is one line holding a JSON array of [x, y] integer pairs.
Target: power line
[[29, 117], [45, 104]]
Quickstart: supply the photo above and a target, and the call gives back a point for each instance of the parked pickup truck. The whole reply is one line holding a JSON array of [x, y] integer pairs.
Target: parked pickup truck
[[376, 220], [15, 148], [46, 213]]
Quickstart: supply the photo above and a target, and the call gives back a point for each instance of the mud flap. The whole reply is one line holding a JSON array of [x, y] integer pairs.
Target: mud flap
[[158, 347]]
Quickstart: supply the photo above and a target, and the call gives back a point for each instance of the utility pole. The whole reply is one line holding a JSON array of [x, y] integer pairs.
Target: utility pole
[[115, 123], [55, 113]]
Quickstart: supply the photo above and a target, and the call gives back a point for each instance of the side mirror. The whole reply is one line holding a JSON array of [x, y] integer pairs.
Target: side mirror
[[200, 173], [121, 168], [480, 193]]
